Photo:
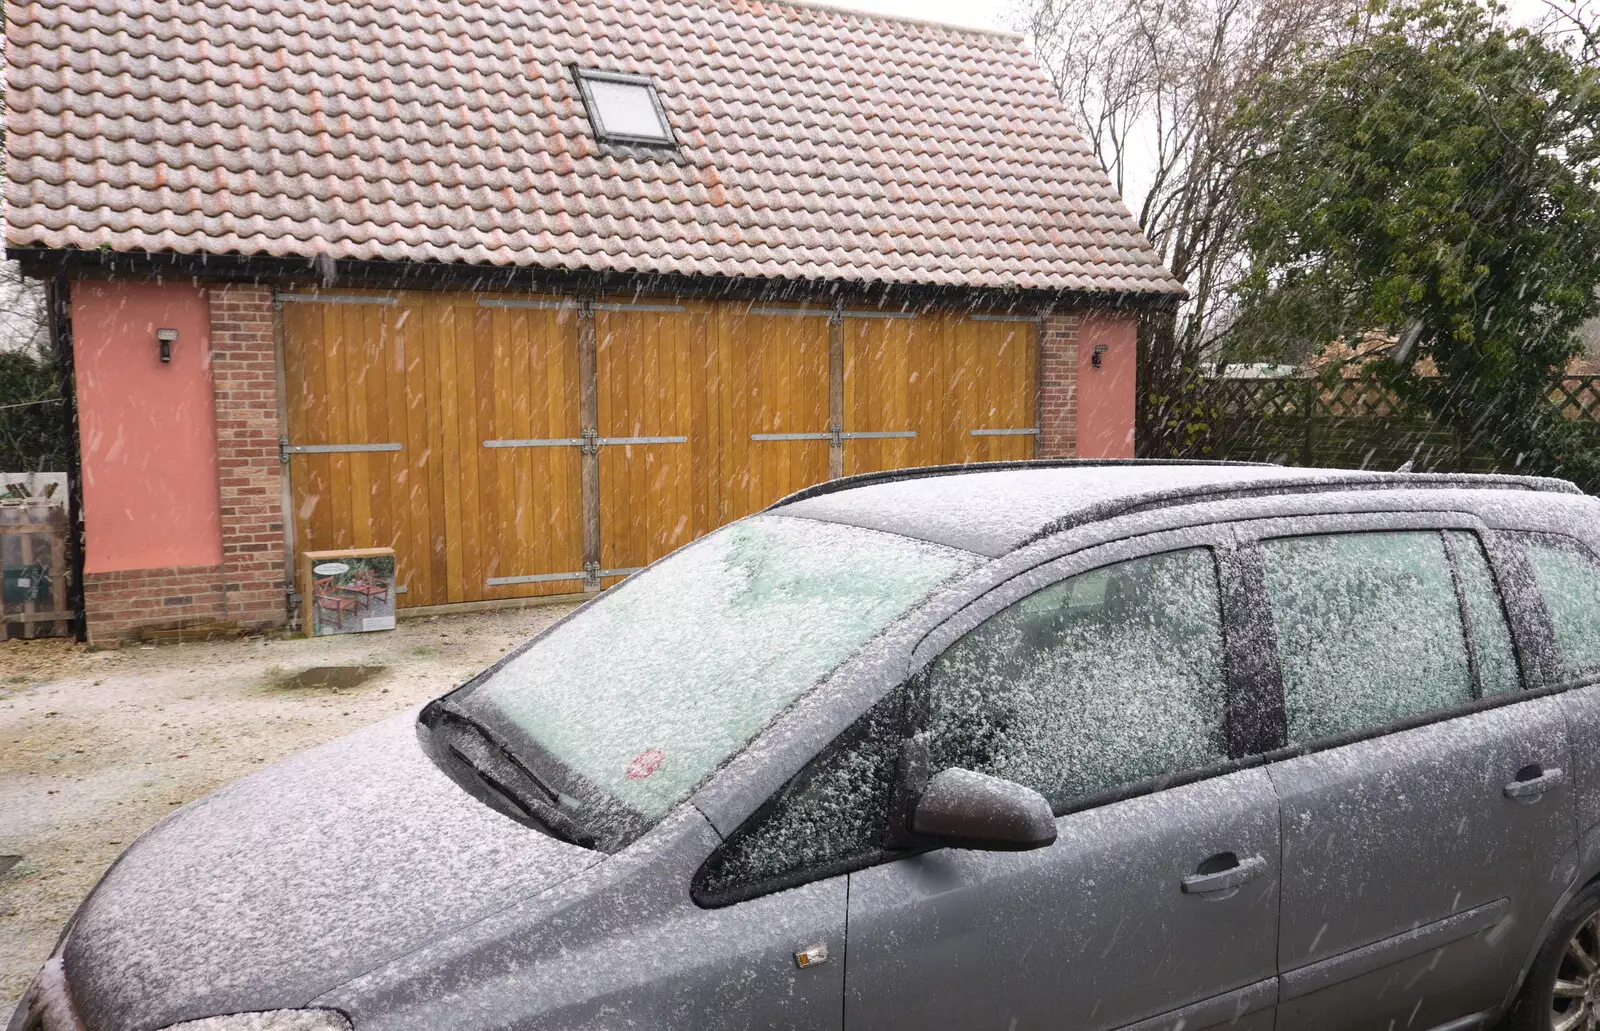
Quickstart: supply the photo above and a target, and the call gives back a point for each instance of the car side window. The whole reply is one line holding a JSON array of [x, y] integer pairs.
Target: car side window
[[1369, 630], [1488, 631], [1105, 679], [1569, 583], [829, 819]]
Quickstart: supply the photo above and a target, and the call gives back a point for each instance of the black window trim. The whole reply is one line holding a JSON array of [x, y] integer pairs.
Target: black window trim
[[1469, 629], [584, 76], [1257, 720], [707, 899]]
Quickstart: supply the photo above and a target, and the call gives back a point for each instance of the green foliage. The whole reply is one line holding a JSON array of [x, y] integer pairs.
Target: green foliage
[[33, 432], [1437, 181]]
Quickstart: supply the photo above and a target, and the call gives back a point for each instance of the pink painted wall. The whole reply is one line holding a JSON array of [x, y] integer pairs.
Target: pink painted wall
[[1106, 395], [148, 429]]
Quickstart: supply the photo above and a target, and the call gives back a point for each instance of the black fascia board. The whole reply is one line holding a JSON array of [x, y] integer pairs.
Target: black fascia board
[[45, 263]]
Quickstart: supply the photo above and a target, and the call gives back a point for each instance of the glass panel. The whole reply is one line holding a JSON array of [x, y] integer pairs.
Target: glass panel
[[831, 814], [1369, 630], [667, 675], [1491, 637], [1101, 680], [626, 109], [1570, 585]]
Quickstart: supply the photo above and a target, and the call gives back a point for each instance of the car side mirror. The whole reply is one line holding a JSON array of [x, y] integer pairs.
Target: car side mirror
[[967, 809]]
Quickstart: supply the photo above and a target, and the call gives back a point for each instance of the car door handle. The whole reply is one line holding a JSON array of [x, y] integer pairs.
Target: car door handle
[[1533, 781], [1223, 872]]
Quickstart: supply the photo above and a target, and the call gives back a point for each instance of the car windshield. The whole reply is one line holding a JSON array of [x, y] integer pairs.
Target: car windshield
[[644, 693]]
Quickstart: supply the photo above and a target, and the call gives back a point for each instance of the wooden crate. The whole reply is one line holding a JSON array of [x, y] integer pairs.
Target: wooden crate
[[33, 554]]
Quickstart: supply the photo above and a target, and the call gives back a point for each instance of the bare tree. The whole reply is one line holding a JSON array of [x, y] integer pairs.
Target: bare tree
[[1577, 20], [23, 324], [1154, 86]]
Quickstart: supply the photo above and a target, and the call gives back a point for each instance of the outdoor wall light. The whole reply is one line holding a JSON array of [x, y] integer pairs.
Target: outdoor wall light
[[1097, 357], [165, 337]]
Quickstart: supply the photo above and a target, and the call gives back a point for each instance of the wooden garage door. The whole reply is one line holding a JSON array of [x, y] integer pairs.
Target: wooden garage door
[[938, 390], [443, 426], [774, 404], [651, 407], [511, 447]]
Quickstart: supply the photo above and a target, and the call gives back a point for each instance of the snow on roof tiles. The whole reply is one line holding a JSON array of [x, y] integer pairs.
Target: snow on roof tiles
[[813, 143]]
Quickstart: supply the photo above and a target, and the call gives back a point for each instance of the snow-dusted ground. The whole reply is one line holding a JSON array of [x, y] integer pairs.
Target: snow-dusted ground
[[97, 746]]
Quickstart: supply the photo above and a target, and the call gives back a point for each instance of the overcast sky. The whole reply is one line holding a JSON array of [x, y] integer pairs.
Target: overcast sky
[[985, 14], [995, 14]]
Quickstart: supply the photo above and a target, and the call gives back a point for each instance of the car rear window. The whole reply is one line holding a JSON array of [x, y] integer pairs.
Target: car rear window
[[1569, 582]]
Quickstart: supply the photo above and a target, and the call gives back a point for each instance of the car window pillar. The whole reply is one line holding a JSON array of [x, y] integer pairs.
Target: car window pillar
[[1256, 720], [1532, 636]]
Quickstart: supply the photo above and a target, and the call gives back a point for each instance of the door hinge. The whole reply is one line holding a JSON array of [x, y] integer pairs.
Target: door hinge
[[283, 450], [591, 576], [591, 442]]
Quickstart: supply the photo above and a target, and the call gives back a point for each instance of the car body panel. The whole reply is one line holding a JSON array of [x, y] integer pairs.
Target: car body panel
[[1582, 707], [296, 878], [1094, 932], [622, 945], [1411, 884]]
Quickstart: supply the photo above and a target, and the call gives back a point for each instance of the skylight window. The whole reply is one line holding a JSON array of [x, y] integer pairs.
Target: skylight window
[[624, 108]]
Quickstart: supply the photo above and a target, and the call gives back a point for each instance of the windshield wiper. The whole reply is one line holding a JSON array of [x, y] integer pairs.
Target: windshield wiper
[[503, 773]]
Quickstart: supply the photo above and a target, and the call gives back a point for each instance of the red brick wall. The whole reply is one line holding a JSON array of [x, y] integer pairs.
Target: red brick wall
[[247, 589], [1058, 387], [244, 373], [118, 604]]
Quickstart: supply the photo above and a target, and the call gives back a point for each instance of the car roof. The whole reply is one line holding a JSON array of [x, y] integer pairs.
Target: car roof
[[994, 509]]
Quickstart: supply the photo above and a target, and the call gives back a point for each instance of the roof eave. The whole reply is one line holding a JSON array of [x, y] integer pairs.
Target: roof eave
[[41, 262]]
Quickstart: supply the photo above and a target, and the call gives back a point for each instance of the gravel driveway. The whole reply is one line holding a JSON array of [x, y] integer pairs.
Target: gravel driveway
[[97, 746]]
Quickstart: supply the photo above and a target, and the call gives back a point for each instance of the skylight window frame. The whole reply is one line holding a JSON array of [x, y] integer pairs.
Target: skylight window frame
[[667, 141]]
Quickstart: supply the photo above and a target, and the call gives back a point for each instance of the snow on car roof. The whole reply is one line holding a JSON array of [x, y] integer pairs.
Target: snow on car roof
[[994, 510]]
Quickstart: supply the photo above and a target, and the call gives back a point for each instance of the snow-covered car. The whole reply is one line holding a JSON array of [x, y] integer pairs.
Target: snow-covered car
[[1066, 745]]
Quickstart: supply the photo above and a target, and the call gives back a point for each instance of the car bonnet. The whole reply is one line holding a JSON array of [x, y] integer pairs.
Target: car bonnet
[[285, 884]]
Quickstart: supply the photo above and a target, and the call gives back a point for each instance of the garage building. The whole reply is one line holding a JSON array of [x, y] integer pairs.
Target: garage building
[[535, 293]]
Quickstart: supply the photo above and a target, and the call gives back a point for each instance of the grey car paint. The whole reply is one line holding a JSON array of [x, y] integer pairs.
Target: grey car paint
[[623, 946], [1093, 933], [296, 879], [552, 942], [1411, 882]]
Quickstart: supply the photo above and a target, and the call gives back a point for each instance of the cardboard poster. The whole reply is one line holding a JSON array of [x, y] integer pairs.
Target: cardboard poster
[[347, 592]]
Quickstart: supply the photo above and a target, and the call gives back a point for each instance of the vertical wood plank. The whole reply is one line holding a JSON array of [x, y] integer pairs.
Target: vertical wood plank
[[407, 399], [837, 419], [488, 529], [468, 441], [449, 430], [338, 510], [589, 421]]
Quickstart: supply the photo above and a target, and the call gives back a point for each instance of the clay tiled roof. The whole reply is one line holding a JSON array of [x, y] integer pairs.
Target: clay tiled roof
[[814, 143]]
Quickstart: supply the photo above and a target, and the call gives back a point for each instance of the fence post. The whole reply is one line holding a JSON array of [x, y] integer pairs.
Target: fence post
[[1308, 401]]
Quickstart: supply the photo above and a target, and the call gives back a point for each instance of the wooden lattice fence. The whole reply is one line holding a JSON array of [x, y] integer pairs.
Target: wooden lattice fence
[[35, 599], [1352, 424]]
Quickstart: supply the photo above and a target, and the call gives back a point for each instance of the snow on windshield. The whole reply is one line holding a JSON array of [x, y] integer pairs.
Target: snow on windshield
[[650, 689]]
